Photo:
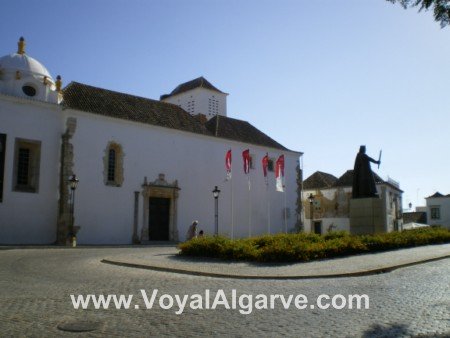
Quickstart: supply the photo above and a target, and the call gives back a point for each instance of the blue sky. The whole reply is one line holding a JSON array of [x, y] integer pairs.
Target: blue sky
[[321, 77]]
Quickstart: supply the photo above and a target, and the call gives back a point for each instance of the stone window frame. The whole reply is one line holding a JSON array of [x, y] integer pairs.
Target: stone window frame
[[33, 165], [118, 166]]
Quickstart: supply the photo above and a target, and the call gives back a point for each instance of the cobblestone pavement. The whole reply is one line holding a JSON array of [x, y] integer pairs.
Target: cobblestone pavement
[[35, 288]]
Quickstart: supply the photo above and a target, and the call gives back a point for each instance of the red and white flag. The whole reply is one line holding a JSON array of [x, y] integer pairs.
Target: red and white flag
[[279, 173], [228, 164], [246, 158], [265, 164]]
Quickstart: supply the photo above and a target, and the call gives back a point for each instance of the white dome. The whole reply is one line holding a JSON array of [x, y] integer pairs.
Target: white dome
[[23, 76], [24, 64]]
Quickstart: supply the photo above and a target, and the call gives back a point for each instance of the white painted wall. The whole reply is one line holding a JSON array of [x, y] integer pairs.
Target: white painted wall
[[391, 200], [30, 217], [105, 213], [201, 97], [444, 204]]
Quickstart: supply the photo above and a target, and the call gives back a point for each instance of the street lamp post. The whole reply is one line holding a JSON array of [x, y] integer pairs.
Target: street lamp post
[[311, 209], [216, 193], [73, 182]]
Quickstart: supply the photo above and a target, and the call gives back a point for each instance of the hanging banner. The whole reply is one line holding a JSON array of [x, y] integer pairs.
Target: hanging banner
[[279, 173], [228, 164]]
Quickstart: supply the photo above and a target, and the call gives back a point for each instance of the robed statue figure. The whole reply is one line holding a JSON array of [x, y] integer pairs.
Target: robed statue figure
[[363, 179]]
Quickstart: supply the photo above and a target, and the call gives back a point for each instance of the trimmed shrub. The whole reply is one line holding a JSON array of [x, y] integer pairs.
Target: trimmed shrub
[[304, 247]]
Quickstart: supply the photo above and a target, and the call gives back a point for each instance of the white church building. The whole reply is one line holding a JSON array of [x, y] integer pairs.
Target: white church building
[[146, 168]]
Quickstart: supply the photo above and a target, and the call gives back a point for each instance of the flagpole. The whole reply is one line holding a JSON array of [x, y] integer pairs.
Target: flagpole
[[265, 163], [229, 168], [285, 210], [232, 209], [268, 206], [249, 208]]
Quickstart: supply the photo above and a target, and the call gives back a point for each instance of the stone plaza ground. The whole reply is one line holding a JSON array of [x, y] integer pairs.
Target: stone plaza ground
[[36, 284]]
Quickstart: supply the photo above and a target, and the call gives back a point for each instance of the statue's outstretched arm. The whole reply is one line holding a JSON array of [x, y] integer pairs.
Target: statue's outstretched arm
[[372, 160]]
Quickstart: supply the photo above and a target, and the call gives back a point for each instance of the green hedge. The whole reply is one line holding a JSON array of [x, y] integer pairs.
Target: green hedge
[[304, 247]]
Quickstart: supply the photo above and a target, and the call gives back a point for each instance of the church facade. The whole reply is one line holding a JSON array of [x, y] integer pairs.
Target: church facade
[[146, 168]]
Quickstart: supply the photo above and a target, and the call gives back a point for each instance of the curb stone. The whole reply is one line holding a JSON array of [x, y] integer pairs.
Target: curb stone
[[385, 269]]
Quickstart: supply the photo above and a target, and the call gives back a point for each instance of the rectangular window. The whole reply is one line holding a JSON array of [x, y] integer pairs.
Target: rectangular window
[[23, 166], [2, 163], [27, 156], [435, 212], [112, 165]]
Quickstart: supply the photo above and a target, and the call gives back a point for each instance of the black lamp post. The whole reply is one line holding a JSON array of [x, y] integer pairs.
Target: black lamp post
[[73, 182], [311, 209], [216, 193]]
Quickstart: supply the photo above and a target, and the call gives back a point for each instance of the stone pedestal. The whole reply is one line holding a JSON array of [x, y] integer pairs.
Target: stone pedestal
[[366, 216]]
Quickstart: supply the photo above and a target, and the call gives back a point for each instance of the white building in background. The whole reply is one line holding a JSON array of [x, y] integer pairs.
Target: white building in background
[[147, 168], [199, 97], [438, 209], [330, 207]]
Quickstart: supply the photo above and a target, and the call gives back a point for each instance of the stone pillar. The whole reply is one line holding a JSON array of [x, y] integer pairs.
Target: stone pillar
[[366, 216], [66, 170]]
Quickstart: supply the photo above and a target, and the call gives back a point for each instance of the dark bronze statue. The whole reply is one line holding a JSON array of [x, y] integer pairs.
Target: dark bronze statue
[[363, 179]]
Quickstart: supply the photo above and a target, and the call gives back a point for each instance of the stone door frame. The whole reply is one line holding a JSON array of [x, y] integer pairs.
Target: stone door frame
[[162, 189]]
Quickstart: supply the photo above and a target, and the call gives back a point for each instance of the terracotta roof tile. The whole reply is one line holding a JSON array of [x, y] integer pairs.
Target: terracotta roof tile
[[133, 108], [346, 180], [319, 180], [239, 130], [128, 107], [437, 194], [199, 82]]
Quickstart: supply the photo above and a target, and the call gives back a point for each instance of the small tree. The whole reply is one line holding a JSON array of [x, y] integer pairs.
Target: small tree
[[441, 8]]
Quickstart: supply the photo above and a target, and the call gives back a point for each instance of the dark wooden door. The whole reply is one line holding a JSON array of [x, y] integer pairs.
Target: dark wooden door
[[318, 228], [158, 219]]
